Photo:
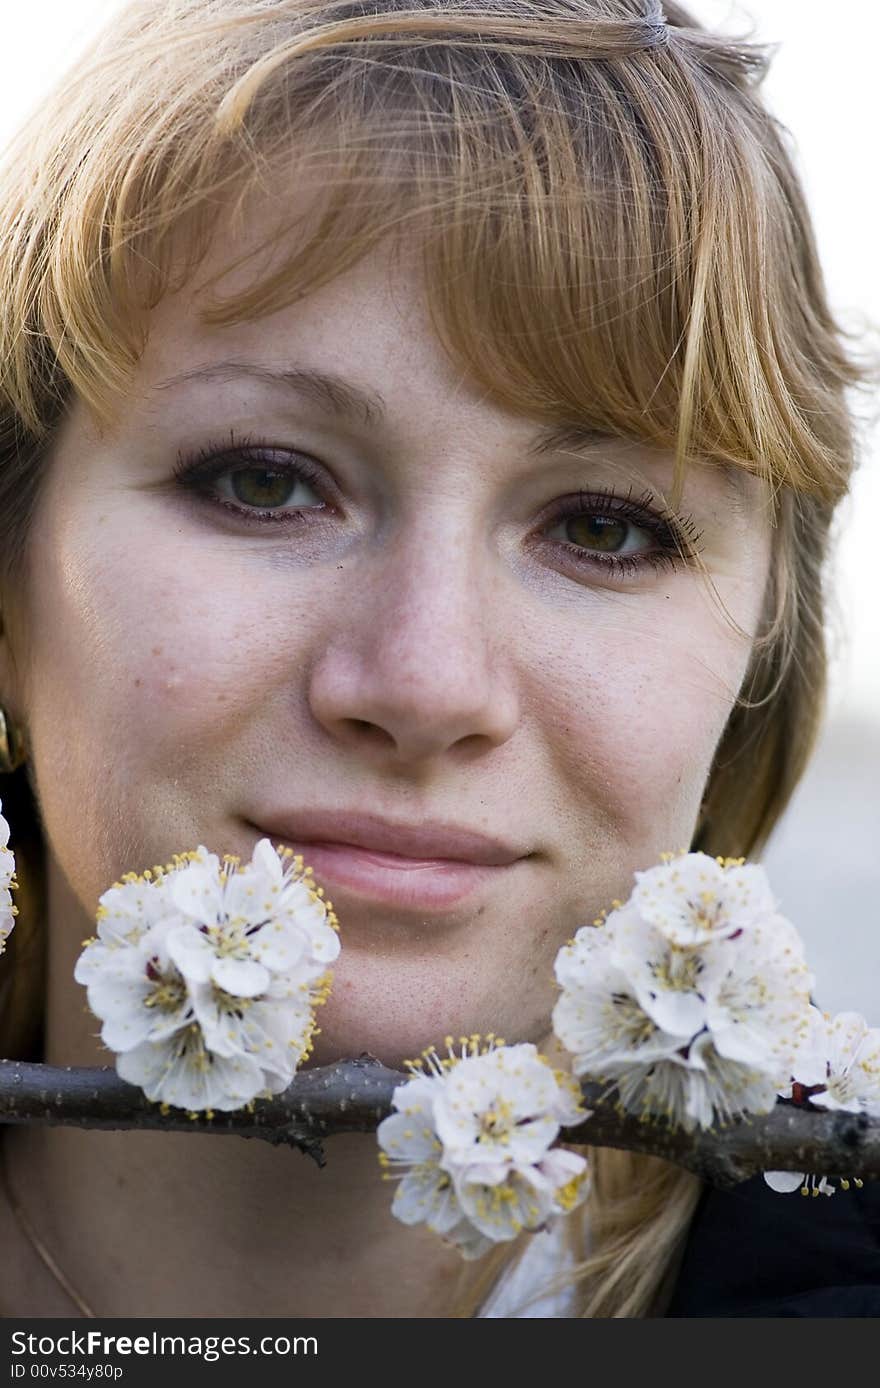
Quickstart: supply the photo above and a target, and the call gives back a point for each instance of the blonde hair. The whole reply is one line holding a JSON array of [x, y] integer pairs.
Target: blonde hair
[[612, 235]]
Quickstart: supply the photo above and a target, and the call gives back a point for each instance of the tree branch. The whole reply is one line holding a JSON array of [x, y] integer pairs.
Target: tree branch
[[355, 1095]]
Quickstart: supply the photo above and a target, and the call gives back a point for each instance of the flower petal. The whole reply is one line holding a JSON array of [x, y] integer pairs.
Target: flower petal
[[784, 1181], [244, 978], [191, 951]]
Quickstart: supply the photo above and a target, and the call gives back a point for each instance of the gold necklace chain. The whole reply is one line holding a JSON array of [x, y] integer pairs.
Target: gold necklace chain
[[37, 1244]]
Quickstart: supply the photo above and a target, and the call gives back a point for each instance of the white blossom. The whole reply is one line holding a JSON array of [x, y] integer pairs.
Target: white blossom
[[134, 987], [691, 999], [599, 1017], [668, 979], [694, 1088], [692, 898], [838, 1068], [242, 927], [274, 1028], [205, 975], [181, 1071], [757, 988], [841, 1064], [7, 881], [473, 1131]]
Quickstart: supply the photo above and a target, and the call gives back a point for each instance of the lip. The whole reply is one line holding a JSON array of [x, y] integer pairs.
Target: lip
[[426, 867]]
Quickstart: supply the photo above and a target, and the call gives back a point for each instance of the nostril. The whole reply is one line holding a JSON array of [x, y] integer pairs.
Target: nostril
[[362, 726]]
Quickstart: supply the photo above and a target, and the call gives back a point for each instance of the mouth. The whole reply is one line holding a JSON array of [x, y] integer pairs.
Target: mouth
[[423, 884], [426, 879]]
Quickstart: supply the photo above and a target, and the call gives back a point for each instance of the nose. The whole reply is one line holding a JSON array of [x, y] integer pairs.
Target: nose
[[417, 663]]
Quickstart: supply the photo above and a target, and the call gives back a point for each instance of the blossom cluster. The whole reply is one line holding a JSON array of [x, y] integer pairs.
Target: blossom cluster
[[690, 1002], [692, 999], [205, 975], [7, 881], [473, 1132]]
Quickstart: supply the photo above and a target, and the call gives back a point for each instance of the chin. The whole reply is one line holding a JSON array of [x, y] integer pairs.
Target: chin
[[395, 1003], [393, 1036]]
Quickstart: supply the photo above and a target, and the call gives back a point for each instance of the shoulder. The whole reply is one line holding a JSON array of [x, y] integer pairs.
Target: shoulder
[[753, 1252]]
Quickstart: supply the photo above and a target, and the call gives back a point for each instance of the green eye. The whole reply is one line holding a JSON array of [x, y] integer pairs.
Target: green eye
[[610, 534], [263, 487], [604, 533], [255, 480]]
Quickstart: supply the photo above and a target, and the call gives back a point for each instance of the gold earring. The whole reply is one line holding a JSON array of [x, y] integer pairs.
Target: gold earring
[[13, 744]]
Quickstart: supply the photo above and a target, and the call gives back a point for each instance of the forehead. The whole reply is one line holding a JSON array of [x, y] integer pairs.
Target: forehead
[[361, 351]]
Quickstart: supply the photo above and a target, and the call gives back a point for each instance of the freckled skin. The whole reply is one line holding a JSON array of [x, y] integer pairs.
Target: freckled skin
[[412, 655]]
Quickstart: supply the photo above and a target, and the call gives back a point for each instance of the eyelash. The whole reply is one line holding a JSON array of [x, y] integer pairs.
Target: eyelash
[[677, 537]]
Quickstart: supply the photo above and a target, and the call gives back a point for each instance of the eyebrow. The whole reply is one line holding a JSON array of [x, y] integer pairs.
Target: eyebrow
[[336, 395], [325, 388]]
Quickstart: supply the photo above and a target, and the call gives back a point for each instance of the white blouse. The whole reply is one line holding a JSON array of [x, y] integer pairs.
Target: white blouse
[[546, 1255]]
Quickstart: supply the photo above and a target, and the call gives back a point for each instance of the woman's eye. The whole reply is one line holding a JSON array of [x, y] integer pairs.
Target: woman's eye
[[603, 534], [620, 536], [265, 488], [263, 484]]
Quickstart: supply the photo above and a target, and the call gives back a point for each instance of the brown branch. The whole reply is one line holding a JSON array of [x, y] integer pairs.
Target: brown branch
[[355, 1095], [790, 1138]]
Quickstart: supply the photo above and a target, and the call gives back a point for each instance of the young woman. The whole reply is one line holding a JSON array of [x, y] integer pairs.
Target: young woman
[[419, 433]]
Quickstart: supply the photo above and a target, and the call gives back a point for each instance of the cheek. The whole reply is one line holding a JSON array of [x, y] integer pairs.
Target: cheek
[[151, 659], [633, 713], [166, 641]]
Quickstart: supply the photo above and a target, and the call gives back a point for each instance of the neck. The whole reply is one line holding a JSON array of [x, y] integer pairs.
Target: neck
[[168, 1224], [155, 1224]]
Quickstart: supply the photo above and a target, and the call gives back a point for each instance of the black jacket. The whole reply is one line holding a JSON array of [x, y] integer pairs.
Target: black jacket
[[753, 1252]]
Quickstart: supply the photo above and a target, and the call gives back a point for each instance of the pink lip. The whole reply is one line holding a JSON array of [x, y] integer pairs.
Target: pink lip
[[429, 867]]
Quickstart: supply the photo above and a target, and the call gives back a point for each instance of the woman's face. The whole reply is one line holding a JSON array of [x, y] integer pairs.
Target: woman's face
[[408, 629]]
